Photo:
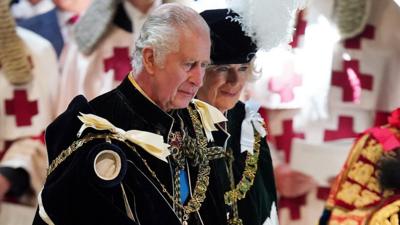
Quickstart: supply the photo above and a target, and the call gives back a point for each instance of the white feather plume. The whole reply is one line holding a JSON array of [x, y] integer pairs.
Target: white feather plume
[[268, 22]]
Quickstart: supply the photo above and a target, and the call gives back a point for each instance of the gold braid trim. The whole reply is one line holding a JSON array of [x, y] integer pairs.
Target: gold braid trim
[[199, 193], [13, 56], [76, 145], [388, 215], [215, 153], [235, 221], [249, 173]]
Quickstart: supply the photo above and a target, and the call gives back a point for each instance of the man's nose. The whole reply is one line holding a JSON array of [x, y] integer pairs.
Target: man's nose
[[197, 75], [233, 76]]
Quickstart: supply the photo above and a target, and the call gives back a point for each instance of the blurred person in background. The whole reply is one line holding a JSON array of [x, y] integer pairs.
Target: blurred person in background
[[367, 190], [28, 83], [99, 57], [56, 25], [24, 9]]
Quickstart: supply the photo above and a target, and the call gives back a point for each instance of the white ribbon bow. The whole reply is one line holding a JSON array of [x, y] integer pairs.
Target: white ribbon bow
[[252, 118], [150, 142], [209, 116]]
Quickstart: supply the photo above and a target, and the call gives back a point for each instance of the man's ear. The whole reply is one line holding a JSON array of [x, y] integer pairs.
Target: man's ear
[[148, 60]]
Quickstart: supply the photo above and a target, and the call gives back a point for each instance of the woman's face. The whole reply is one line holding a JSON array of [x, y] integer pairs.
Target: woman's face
[[223, 85]]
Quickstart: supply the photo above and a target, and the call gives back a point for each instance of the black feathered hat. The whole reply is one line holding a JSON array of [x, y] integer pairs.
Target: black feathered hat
[[230, 45]]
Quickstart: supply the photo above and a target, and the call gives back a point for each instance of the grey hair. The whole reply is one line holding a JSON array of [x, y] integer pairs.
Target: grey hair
[[162, 30]]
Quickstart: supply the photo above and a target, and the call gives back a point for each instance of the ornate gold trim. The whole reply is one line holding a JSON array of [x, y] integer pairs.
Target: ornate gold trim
[[76, 145], [249, 173], [389, 214]]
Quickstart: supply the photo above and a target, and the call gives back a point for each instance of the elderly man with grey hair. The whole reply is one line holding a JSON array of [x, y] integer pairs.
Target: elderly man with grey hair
[[142, 153]]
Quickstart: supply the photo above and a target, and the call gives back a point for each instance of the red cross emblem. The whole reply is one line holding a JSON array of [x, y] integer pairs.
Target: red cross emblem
[[284, 141], [345, 130], [23, 109], [294, 205], [300, 29], [355, 42], [119, 62], [284, 86], [352, 81]]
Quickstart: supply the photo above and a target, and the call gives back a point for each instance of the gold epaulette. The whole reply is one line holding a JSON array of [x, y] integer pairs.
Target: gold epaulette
[[357, 191]]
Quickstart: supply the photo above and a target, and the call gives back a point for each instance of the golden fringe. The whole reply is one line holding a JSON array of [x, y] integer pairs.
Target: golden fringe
[[13, 56], [351, 16]]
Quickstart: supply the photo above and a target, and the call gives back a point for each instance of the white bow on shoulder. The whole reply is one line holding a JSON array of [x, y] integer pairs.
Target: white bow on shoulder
[[209, 116], [150, 142], [252, 119]]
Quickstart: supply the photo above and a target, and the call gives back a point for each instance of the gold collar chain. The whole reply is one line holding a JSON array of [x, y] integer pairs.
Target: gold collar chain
[[204, 155], [239, 191]]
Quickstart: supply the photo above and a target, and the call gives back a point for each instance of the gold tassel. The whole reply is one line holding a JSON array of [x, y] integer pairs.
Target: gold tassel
[[351, 16], [14, 60]]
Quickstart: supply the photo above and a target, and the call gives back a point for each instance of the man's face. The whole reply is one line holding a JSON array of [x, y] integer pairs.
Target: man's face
[[179, 79], [223, 85]]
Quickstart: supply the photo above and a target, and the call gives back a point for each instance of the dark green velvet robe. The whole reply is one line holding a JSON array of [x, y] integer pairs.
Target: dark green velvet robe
[[255, 208]]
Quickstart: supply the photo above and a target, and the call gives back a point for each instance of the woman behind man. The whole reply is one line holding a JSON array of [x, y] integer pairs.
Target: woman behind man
[[251, 196]]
